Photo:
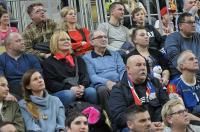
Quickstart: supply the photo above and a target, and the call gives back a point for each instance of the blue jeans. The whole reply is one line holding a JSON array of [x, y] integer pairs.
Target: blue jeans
[[68, 96], [125, 129]]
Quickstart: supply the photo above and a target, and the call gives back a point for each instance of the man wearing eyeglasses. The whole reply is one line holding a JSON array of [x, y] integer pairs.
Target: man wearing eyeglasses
[[38, 31], [176, 117], [186, 39], [105, 67]]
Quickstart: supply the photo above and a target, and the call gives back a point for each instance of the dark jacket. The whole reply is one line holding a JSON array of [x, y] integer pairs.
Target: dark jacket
[[157, 56], [156, 41], [121, 98], [55, 71]]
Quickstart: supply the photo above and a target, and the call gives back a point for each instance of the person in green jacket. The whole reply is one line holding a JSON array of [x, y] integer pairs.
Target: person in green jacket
[[9, 110]]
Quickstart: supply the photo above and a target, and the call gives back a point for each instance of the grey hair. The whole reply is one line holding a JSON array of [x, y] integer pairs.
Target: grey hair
[[92, 34], [9, 38], [181, 58]]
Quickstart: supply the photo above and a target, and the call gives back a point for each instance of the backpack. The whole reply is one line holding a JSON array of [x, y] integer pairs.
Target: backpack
[[102, 125]]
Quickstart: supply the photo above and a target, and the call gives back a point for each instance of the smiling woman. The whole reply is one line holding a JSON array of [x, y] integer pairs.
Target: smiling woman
[[65, 74]]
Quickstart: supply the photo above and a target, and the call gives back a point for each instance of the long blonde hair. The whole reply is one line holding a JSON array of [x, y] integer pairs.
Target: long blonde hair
[[64, 11]]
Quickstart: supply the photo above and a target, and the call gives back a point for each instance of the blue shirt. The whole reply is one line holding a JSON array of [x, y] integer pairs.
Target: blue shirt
[[189, 93], [13, 69], [110, 66]]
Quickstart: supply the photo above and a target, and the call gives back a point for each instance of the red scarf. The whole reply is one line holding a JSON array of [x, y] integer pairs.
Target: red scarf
[[67, 57], [137, 100]]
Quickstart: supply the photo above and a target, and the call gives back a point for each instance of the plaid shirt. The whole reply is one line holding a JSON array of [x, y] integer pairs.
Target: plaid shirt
[[38, 33]]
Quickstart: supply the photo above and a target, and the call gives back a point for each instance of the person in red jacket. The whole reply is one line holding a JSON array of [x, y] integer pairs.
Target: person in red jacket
[[79, 36]]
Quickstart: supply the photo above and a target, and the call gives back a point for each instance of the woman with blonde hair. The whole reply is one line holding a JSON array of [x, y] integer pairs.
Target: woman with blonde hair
[[41, 111], [177, 118], [66, 74], [79, 36]]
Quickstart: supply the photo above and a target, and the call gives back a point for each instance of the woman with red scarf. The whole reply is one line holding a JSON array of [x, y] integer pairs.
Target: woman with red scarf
[[65, 74]]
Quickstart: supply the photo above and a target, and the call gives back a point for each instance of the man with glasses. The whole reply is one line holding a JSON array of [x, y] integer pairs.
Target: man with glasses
[[105, 67], [187, 86], [191, 6], [176, 117], [186, 39], [38, 31]]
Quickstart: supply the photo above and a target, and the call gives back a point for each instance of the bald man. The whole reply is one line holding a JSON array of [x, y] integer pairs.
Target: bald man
[[136, 88]]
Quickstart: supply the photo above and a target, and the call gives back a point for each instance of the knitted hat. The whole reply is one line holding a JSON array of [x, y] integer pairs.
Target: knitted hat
[[163, 11]]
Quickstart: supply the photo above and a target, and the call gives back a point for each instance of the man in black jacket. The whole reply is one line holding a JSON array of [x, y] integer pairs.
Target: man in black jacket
[[136, 88]]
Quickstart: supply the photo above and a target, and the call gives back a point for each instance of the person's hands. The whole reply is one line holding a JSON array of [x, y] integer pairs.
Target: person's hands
[[47, 55], [165, 81], [110, 84], [83, 43], [78, 90], [10, 97], [194, 10], [157, 127]]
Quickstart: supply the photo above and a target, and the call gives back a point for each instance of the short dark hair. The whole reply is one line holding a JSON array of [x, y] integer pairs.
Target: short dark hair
[[71, 116], [113, 5], [31, 6], [181, 18], [133, 110], [133, 35]]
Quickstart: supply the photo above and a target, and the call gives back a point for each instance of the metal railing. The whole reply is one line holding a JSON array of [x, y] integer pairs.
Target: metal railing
[[90, 12]]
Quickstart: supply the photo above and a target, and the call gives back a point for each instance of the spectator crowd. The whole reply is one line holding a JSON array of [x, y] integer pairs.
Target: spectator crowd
[[60, 77]]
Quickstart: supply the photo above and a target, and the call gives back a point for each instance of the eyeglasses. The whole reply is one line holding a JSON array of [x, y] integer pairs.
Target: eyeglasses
[[100, 37], [189, 22], [39, 11], [180, 112]]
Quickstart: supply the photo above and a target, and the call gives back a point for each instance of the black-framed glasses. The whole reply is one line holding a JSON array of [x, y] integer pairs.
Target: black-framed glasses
[[189, 22], [100, 37], [180, 112]]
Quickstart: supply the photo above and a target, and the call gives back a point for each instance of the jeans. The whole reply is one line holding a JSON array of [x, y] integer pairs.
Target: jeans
[[68, 96], [103, 95]]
